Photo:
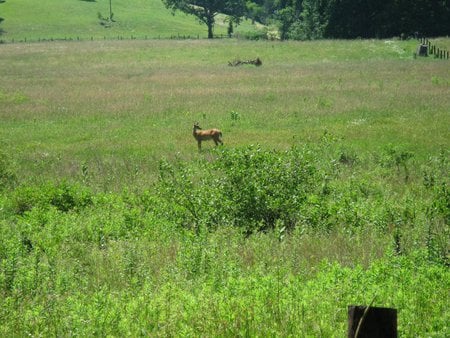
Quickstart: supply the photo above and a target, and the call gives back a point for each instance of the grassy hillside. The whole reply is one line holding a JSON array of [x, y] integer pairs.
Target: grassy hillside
[[59, 19], [332, 188]]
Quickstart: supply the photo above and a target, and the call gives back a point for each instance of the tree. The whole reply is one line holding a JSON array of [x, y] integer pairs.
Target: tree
[[350, 19], [373, 18], [110, 11], [207, 10], [312, 21], [1, 19]]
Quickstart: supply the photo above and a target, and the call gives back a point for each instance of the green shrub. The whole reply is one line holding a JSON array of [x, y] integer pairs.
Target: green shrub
[[263, 186], [398, 157], [260, 34], [62, 196], [250, 188]]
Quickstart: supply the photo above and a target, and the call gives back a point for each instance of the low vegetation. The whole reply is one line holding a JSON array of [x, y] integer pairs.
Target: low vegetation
[[331, 188]]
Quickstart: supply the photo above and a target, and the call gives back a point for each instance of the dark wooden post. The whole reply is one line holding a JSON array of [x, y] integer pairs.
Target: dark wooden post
[[372, 322], [422, 50]]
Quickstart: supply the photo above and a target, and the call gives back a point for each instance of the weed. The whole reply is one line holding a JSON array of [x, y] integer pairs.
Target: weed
[[235, 117], [399, 157], [8, 178]]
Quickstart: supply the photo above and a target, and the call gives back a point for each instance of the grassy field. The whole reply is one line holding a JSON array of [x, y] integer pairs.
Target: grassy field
[[134, 102], [72, 19], [331, 188]]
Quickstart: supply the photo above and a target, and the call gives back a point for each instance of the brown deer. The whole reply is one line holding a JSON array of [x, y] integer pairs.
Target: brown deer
[[204, 135]]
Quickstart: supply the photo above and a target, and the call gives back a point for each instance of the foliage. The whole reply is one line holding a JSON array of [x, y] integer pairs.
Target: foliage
[[91, 273], [312, 22], [8, 176], [172, 260], [256, 189], [306, 19], [250, 188], [1, 19], [206, 10], [62, 196], [295, 19]]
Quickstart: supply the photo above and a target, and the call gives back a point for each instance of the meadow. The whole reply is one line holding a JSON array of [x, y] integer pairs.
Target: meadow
[[27, 20], [331, 188]]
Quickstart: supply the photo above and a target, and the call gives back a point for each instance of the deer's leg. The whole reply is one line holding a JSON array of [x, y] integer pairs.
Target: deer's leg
[[199, 145]]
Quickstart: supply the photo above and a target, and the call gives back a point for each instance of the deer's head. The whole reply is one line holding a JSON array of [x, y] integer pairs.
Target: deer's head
[[196, 127]]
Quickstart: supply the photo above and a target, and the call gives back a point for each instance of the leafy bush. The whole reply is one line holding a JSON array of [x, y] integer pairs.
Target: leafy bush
[[250, 188], [260, 34], [262, 187], [397, 156], [313, 187], [62, 196]]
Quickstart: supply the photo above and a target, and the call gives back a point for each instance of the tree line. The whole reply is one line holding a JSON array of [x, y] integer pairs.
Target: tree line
[[317, 19], [1, 19]]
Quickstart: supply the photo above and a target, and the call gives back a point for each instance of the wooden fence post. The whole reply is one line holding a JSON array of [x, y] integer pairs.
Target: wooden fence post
[[372, 322]]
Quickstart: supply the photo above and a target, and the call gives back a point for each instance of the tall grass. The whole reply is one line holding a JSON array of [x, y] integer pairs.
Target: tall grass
[[78, 263], [331, 188], [123, 105]]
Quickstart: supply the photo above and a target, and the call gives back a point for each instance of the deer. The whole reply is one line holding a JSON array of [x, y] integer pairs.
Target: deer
[[204, 135]]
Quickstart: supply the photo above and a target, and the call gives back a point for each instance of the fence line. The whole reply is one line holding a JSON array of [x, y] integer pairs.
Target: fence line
[[440, 53], [112, 38], [432, 49]]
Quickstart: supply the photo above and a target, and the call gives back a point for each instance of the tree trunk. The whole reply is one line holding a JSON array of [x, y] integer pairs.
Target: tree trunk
[[210, 24]]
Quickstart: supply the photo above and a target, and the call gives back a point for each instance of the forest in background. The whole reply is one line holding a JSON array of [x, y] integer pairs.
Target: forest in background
[[349, 19], [274, 19]]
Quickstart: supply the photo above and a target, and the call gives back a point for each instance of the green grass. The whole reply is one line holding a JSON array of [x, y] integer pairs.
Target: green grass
[[113, 224], [72, 19], [131, 103]]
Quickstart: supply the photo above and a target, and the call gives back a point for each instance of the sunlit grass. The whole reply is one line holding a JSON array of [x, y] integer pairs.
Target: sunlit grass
[[29, 20], [64, 104], [95, 240]]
